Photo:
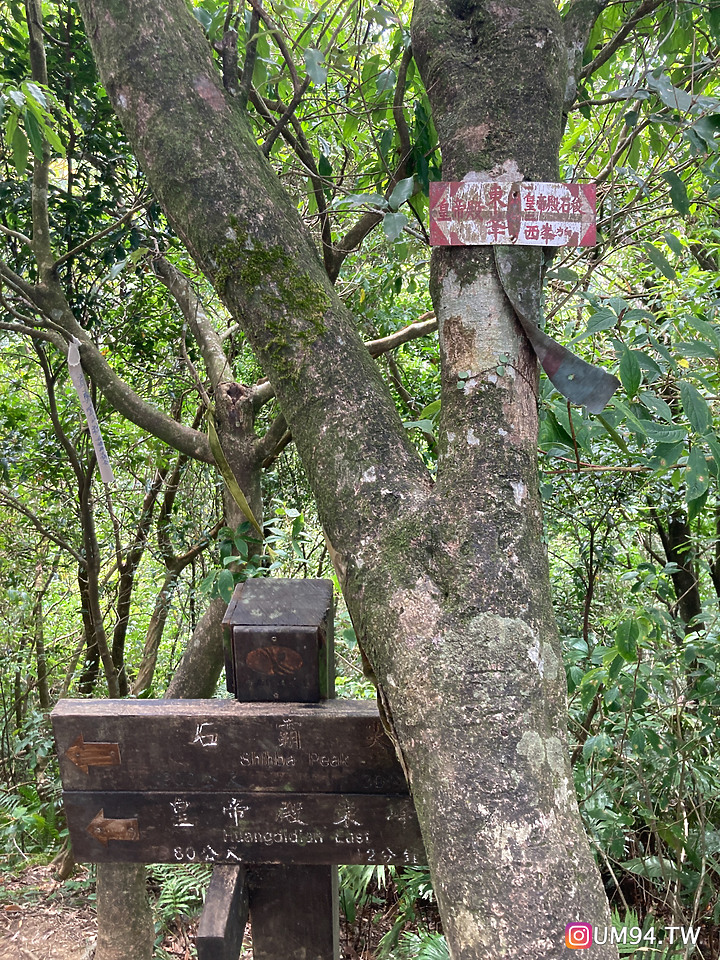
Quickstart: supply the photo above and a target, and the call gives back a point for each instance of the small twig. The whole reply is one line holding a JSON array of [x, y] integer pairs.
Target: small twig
[[291, 108], [574, 438], [250, 58], [98, 236]]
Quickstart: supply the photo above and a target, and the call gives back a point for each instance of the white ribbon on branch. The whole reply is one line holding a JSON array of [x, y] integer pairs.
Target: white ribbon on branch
[[79, 382]]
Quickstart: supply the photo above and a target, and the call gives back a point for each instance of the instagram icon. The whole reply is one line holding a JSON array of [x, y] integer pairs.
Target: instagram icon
[[578, 935]]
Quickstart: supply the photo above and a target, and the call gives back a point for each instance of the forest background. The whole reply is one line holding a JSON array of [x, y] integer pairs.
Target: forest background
[[102, 588]]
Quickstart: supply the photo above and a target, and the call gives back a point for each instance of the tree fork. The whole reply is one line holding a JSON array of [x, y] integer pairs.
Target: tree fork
[[459, 630]]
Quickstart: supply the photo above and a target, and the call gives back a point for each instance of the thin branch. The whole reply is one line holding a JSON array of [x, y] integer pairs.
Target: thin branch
[[276, 438], [16, 504], [98, 236], [300, 146], [401, 124], [6, 231], [284, 119], [610, 48], [250, 58], [426, 324], [205, 334], [263, 392]]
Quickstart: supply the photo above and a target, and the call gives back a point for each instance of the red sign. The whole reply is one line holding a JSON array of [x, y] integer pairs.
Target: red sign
[[475, 213]]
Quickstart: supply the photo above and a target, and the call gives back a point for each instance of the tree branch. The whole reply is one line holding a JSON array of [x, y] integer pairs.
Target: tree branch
[[610, 48], [9, 500], [263, 392], [250, 58], [399, 113], [578, 22], [206, 336], [41, 245]]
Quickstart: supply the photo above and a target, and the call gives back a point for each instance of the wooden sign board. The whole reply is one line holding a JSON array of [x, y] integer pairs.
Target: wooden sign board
[[222, 827], [475, 213], [227, 782], [336, 746]]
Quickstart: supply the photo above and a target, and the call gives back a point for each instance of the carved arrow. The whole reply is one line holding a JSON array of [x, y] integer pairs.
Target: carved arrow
[[104, 829], [86, 755]]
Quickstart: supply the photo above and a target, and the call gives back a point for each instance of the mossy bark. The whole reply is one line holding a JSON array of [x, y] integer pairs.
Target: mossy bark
[[446, 582]]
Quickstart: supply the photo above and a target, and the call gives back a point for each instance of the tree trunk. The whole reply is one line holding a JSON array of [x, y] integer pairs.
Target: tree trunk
[[127, 930], [446, 582]]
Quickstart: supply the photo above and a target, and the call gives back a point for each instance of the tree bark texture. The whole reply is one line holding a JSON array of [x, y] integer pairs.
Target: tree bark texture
[[122, 903], [446, 582]]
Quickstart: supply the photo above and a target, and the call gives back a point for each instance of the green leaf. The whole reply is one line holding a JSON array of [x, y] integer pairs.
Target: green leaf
[[627, 633], [630, 373], [695, 406], [225, 584], [563, 273], [386, 80], [657, 405], [659, 260], [695, 506], [431, 410], [394, 224], [671, 96], [17, 97], [313, 59], [32, 128], [360, 200], [20, 149], [402, 192], [663, 432], [712, 441], [666, 455], [602, 319], [678, 192], [673, 242], [36, 93], [697, 475], [696, 348]]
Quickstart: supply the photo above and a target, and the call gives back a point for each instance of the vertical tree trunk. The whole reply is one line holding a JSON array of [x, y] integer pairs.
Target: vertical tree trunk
[[126, 931]]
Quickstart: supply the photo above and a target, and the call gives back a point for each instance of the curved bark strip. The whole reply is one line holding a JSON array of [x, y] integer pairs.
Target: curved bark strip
[[447, 583]]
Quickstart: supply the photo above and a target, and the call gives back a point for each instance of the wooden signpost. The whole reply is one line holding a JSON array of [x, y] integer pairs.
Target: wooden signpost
[[274, 793]]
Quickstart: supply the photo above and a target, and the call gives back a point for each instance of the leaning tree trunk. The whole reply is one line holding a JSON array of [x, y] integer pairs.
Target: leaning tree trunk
[[446, 582]]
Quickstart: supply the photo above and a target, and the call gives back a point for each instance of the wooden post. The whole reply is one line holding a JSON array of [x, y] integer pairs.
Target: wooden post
[[279, 647], [222, 924]]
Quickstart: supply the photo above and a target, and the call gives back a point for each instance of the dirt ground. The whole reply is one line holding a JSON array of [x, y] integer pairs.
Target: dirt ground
[[40, 920]]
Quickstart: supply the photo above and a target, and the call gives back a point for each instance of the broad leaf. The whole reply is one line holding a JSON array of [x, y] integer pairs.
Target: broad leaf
[[630, 373], [402, 192], [678, 193], [394, 224], [313, 59], [697, 475], [695, 407], [659, 260]]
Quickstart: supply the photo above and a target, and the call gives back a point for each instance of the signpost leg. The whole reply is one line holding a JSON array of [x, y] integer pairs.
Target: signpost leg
[[294, 912], [222, 924]]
